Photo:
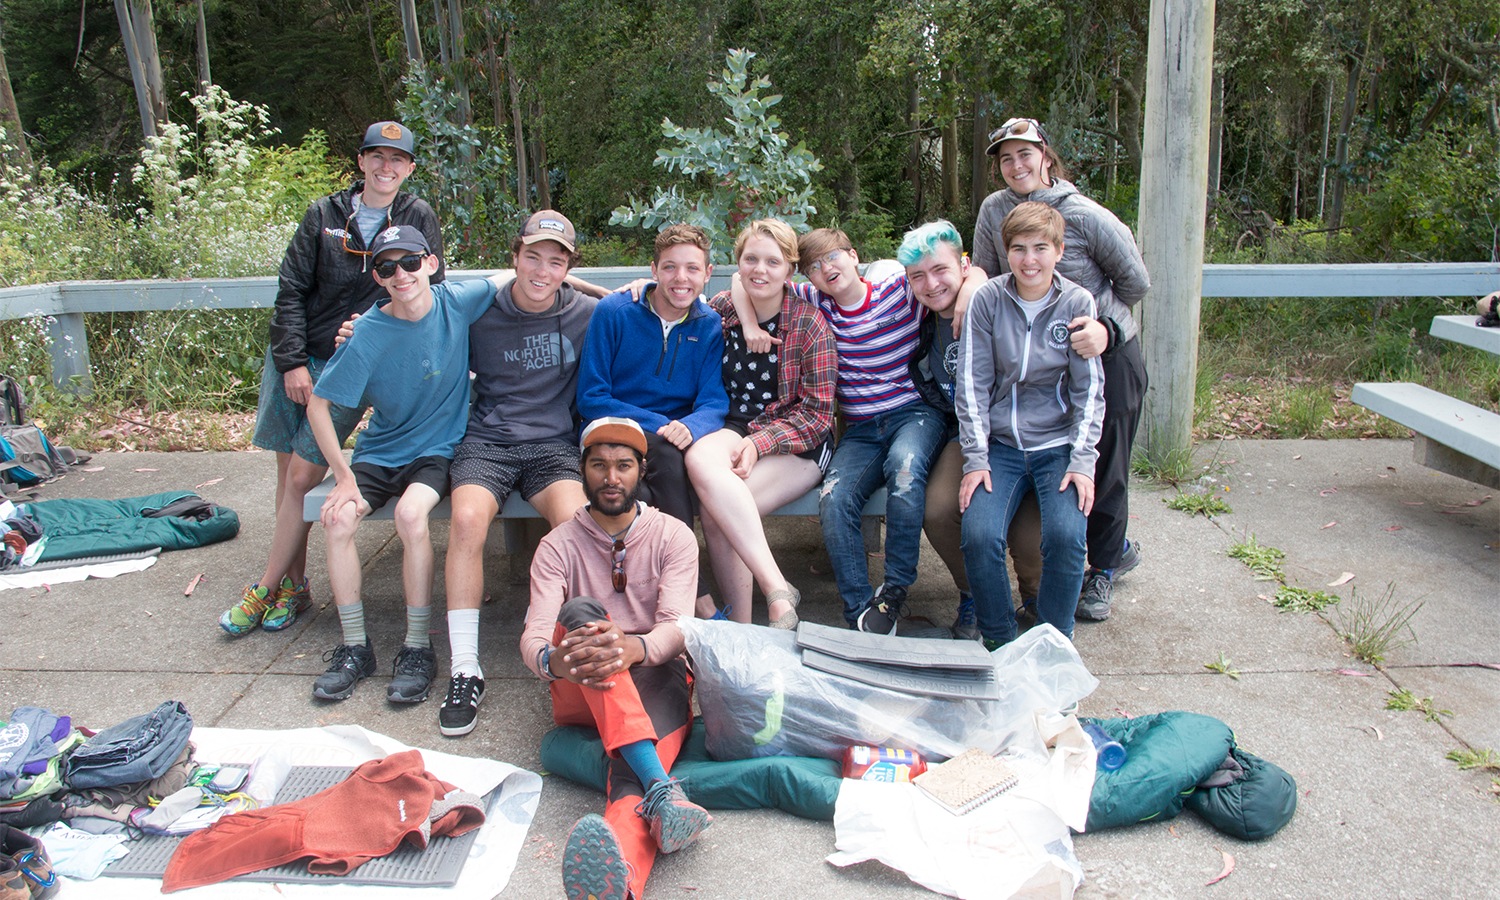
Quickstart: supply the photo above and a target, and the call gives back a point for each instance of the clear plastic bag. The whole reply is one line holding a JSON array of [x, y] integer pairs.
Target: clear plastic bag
[[759, 700]]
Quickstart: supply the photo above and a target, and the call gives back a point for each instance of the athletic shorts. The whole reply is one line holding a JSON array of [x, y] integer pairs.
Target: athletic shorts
[[378, 484], [821, 454], [281, 425], [501, 468]]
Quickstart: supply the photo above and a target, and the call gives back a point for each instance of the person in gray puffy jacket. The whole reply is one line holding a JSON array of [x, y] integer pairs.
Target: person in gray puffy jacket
[[1100, 255], [1029, 411]]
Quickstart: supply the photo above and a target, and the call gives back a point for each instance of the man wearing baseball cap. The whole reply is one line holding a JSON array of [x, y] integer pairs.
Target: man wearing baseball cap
[[409, 360], [607, 588], [325, 279], [521, 431]]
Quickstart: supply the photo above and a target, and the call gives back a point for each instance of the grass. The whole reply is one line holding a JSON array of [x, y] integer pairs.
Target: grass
[[1265, 562], [1467, 759], [1302, 600], [1403, 700], [1195, 504], [1223, 666], [1375, 628]]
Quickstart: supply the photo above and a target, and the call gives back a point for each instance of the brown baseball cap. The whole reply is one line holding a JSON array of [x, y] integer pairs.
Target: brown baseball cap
[[614, 430], [550, 225]]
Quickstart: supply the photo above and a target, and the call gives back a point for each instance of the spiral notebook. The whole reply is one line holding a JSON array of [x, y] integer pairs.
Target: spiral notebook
[[967, 780]]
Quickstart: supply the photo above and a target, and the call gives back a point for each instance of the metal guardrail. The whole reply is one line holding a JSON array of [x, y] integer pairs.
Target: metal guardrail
[[64, 304]]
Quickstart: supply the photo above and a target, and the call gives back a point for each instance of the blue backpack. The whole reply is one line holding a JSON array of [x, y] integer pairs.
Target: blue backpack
[[27, 458]]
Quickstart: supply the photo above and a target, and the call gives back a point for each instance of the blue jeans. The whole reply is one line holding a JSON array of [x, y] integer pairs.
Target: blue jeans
[[138, 749], [893, 450], [1064, 540]]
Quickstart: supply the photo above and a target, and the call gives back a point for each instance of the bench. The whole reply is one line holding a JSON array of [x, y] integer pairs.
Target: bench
[[1451, 436]]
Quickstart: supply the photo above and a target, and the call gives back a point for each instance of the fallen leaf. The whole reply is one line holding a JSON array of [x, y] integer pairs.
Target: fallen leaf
[[1172, 830], [192, 585], [146, 470], [92, 469], [1413, 502], [1228, 868], [1329, 525], [150, 613], [1298, 456], [211, 481], [1393, 528], [1355, 672], [1480, 502], [1324, 493], [1342, 580]]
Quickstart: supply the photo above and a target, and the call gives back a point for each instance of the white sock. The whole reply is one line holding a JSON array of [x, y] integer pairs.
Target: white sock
[[463, 640]]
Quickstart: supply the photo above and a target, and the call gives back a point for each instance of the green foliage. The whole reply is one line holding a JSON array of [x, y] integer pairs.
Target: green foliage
[[1403, 700], [750, 172], [614, 251], [1224, 666], [1376, 628], [463, 170], [1295, 599], [1206, 504], [1265, 562], [1468, 758]]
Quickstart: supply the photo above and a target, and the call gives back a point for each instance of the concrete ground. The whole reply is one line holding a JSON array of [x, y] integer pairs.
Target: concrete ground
[[1381, 811]]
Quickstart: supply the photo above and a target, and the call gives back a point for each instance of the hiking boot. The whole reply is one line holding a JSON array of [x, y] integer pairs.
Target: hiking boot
[[412, 675], [594, 866], [25, 870], [241, 618], [347, 664], [291, 600], [1093, 603], [966, 626], [461, 707], [675, 820], [1129, 559], [880, 616]]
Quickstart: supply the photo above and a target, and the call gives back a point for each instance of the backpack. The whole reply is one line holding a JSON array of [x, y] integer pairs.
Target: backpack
[[27, 458], [12, 402]]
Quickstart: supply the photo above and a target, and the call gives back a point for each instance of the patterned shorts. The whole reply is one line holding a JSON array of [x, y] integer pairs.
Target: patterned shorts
[[501, 468], [281, 425]]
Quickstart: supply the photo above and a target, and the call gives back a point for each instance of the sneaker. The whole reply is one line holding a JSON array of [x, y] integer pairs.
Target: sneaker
[[884, 610], [347, 664], [461, 708], [1026, 614], [966, 626], [241, 618], [25, 870], [594, 866], [412, 676], [1129, 559], [291, 600], [1093, 603], [675, 820]]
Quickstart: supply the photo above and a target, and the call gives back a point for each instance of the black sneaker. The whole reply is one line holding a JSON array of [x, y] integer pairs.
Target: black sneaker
[[459, 711], [412, 677], [1093, 603], [348, 663], [1128, 560], [884, 610]]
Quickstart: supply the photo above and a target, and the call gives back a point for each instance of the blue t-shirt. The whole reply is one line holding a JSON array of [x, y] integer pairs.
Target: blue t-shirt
[[413, 375]]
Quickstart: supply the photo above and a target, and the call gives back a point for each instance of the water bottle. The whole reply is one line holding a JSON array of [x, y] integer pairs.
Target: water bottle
[[1111, 753]]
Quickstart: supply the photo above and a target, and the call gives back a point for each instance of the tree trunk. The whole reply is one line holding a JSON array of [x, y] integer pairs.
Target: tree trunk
[[1341, 145], [497, 90], [10, 116], [950, 158], [914, 151], [409, 29], [205, 76], [1216, 135], [458, 60], [979, 170], [143, 21], [1323, 155], [137, 72], [442, 33], [539, 159], [523, 192]]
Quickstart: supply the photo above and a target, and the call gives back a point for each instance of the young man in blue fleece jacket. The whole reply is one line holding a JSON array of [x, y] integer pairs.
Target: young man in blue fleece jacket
[[658, 360]]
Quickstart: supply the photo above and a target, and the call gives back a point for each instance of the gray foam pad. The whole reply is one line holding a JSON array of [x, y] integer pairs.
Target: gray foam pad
[[437, 866], [857, 646], [959, 684], [87, 561]]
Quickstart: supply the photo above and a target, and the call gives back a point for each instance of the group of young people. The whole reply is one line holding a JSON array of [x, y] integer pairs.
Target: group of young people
[[998, 412]]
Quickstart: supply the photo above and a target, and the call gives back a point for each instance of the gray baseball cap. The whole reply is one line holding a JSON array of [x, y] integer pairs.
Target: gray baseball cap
[[390, 134]]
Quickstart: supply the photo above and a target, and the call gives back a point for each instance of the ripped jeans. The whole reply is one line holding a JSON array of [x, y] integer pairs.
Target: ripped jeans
[[892, 450]]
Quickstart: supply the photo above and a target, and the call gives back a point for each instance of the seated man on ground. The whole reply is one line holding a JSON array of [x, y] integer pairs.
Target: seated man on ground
[[410, 361], [607, 588], [522, 432], [1028, 427], [676, 392]]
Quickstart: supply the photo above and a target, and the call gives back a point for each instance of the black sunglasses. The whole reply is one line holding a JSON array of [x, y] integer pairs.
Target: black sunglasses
[[387, 268]]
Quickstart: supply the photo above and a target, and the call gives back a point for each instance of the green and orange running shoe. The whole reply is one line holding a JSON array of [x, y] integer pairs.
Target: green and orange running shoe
[[242, 618], [291, 601]]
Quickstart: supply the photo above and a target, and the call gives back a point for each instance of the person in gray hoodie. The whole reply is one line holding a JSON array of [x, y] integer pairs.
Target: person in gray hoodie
[[1029, 410], [522, 432], [1100, 255]]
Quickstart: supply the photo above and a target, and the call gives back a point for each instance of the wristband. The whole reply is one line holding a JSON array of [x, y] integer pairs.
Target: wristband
[[545, 663]]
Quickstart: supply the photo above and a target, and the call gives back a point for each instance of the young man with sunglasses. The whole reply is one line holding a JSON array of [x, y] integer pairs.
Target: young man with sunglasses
[[325, 279], [409, 360], [607, 588]]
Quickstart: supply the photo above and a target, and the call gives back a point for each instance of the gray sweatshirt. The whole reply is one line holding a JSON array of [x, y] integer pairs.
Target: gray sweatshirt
[[1099, 252], [1021, 384], [526, 369]]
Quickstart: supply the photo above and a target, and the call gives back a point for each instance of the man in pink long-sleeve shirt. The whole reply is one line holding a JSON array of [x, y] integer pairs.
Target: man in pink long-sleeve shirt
[[607, 588]]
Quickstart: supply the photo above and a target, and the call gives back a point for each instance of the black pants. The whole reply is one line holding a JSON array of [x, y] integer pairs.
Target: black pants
[[666, 484], [1124, 389]]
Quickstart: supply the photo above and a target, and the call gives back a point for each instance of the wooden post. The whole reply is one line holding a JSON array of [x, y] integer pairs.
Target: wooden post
[[1174, 189]]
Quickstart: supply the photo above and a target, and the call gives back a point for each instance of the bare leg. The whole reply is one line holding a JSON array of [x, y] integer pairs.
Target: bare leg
[[474, 508], [558, 501], [288, 554], [417, 560], [344, 575], [734, 578]]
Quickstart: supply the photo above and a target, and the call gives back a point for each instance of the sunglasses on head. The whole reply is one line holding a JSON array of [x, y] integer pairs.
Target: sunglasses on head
[[1016, 128], [387, 268]]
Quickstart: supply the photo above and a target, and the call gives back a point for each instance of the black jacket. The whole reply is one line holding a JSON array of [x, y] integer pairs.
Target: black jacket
[[322, 284]]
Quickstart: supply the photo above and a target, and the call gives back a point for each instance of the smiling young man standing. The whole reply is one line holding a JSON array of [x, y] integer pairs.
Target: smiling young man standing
[[524, 353], [324, 279], [658, 360]]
